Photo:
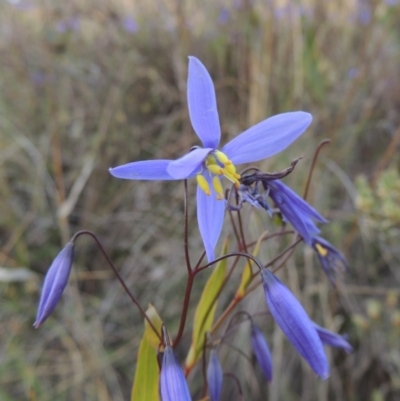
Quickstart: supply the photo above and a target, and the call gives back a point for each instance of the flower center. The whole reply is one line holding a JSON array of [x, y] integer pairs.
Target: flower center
[[218, 164]]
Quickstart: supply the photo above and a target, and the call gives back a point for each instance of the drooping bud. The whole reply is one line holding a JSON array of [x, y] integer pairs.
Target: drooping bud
[[334, 340], [295, 323], [261, 351], [55, 283], [173, 386], [330, 258], [214, 376]]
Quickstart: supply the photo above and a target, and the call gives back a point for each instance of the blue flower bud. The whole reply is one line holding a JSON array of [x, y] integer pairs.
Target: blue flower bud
[[261, 351], [330, 258], [173, 386], [214, 376], [334, 340], [295, 323], [55, 283]]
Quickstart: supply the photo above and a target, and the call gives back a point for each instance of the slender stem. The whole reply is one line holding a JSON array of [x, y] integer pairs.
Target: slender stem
[[232, 376], [185, 307], [235, 231], [186, 242], [120, 279], [314, 161], [243, 240]]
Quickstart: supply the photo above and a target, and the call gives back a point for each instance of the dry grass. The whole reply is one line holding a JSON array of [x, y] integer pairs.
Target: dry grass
[[80, 92]]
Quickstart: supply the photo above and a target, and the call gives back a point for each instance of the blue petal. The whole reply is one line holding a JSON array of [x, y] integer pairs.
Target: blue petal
[[210, 217], [55, 283], [188, 164], [268, 137], [298, 201], [261, 351], [143, 170], [173, 386], [334, 340], [295, 323], [215, 376], [203, 104]]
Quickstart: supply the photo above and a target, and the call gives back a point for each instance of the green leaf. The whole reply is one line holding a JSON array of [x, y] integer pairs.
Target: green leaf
[[145, 385], [247, 275], [205, 312]]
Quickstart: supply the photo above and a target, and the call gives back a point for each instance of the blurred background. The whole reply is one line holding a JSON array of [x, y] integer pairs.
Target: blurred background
[[87, 85]]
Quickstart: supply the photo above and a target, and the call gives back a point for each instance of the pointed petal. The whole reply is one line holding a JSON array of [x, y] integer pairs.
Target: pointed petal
[[188, 165], [173, 386], [295, 323], [334, 340], [210, 217], [143, 170], [203, 104], [268, 137], [298, 201]]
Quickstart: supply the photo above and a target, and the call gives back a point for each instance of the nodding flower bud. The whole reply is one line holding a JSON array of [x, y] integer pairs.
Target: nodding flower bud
[[295, 323], [54, 283], [173, 386], [214, 376], [330, 258], [261, 351], [334, 340]]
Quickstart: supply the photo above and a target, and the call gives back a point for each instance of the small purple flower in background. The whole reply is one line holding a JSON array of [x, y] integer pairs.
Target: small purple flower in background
[[207, 163], [68, 25], [330, 258], [55, 283], [261, 351], [129, 24], [334, 340], [295, 323], [214, 376], [223, 16], [173, 386]]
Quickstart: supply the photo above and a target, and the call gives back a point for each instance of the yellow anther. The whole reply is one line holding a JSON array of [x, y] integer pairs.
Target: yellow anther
[[321, 250], [203, 184], [218, 188], [211, 160], [231, 169], [215, 169], [222, 157]]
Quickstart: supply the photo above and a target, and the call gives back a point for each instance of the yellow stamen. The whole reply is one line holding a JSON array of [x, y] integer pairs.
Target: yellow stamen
[[203, 184], [218, 188], [321, 250], [215, 169], [222, 157]]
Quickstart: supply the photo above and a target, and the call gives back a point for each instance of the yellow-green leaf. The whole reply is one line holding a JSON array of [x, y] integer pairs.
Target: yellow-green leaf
[[157, 323], [247, 275], [145, 385], [205, 311]]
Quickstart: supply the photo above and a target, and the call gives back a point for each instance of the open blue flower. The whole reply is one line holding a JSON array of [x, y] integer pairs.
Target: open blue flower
[[207, 163]]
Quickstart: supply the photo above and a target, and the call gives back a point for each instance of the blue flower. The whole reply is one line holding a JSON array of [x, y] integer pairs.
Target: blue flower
[[207, 163], [295, 210], [173, 386], [334, 340], [214, 376], [295, 323], [261, 351], [55, 283], [330, 258]]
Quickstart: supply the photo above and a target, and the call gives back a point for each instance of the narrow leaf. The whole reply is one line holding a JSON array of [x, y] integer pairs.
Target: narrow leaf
[[247, 274], [157, 323], [145, 385], [205, 312]]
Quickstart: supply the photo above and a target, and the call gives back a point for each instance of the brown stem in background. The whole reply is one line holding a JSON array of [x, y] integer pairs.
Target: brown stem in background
[[120, 279], [314, 161]]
